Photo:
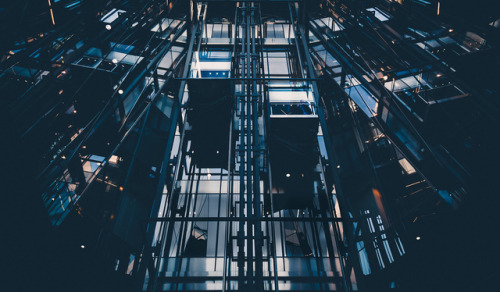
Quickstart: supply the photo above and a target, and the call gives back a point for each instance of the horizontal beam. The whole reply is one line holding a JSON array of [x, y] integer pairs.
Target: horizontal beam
[[327, 279], [254, 79], [244, 219]]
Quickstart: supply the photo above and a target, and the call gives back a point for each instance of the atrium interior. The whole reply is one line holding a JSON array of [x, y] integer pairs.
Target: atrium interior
[[254, 145]]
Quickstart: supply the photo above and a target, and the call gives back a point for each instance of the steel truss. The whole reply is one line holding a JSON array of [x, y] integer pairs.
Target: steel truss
[[250, 235]]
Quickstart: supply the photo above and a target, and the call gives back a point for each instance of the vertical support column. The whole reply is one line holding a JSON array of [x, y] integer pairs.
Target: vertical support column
[[147, 262], [259, 283], [348, 227], [250, 258], [241, 153], [248, 146]]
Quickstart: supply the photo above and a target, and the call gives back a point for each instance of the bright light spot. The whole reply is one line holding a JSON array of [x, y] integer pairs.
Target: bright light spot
[[450, 30], [439, 75], [120, 91], [82, 246], [385, 77], [108, 27], [114, 61], [287, 175], [418, 238]]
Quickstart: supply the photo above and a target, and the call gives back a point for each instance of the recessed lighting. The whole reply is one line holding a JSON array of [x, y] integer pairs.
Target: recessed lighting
[[82, 246], [288, 175], [108, 27], [418, 238], [385, 77], [439, 75], [450, 30], [120, 91], [114, 61]]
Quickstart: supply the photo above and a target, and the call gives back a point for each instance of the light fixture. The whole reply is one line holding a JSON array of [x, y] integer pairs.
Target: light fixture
[[418, 238], [82, 246], [121, 189], [439, 75], [120, 91], [450, 30], [287, 175], [114, 61], [108, 26], [385, 77]]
